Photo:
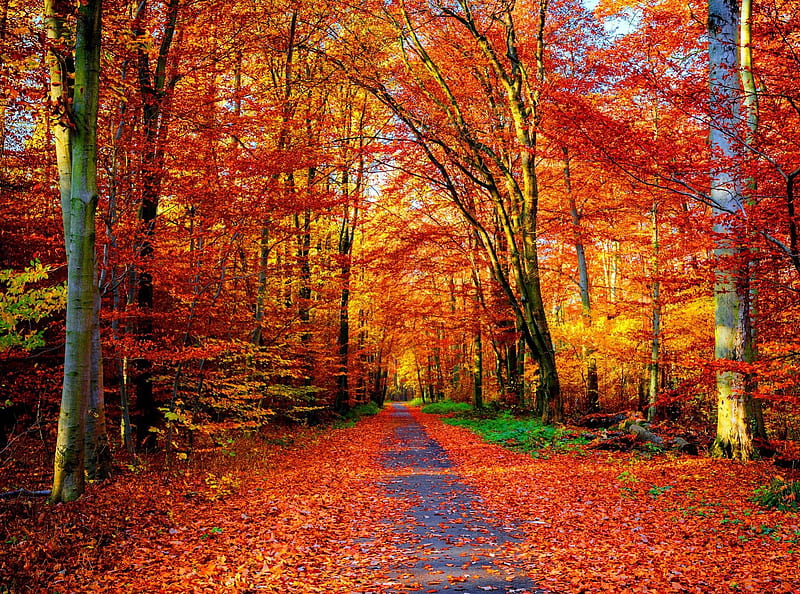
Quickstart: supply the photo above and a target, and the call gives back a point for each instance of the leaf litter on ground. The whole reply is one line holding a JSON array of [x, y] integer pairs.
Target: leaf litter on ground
[[312, 517]]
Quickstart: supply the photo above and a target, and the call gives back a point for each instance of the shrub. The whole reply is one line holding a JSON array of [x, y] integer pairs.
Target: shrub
[[350, 418], [779, 494], [367, 409]]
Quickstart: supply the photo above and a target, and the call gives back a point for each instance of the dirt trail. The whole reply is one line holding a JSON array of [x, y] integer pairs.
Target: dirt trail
[[457, 546]]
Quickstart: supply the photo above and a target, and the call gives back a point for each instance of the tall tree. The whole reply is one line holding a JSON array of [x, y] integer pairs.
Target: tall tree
[[351, 188], [588, 352], [76, 147], [500, 166], [156, 85], [731, 300]]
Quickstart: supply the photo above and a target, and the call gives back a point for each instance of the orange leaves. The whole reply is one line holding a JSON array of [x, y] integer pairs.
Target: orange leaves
[[683, 525], [299, 519], [312, 519]]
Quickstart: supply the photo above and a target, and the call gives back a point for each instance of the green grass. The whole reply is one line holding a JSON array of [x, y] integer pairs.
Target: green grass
[[446, 407], [351, 417], [524, 434]]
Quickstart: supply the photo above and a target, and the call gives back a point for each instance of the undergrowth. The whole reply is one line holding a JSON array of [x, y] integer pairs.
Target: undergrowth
[[446, 407], [779, 494], [351, 417], [526, 434]]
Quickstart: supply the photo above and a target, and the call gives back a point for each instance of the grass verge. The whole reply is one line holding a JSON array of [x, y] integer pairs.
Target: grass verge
[[525, 434], [446, 407], [352, 416]]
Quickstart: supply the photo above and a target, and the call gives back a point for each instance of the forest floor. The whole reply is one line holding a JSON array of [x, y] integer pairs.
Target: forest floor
[[402, 502]]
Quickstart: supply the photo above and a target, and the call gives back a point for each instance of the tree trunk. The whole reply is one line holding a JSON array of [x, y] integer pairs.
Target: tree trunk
[[513, 194], [111, 219], [257, 336], [592, 383], [655, 341], [155, 87], [69, 477], [733, 438], [98, 451], [477, 368], [752, 113], [342, 401]]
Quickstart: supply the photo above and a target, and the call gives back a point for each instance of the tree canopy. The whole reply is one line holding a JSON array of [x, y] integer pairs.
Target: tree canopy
[[303, 207]]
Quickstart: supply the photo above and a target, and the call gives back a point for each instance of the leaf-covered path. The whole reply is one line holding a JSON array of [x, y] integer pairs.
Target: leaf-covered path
[[402, 502], [454, 543]]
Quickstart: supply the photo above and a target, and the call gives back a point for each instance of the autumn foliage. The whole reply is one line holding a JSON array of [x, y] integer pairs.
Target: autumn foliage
[[302, 235], [306, 209]]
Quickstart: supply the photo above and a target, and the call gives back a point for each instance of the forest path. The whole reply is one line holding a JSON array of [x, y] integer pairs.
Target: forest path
[[382, 507], [455, 545]]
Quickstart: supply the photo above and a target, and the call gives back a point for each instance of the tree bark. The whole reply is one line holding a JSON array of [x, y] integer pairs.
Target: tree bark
[[98, 450], [588, 351], [79, 230], [733, 438], [752, 115], [155, 88], [653, 368], [477, 367], [342, 400]]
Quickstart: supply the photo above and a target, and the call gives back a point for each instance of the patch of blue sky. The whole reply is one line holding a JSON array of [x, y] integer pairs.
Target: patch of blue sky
[[627, 20]]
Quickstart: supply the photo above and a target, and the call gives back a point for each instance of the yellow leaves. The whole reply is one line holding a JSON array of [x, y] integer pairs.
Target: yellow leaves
[[20, 303], [221, 486]]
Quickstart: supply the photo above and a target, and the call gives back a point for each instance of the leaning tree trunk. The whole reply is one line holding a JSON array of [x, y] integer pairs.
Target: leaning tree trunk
[[733, 438], [79, 231]]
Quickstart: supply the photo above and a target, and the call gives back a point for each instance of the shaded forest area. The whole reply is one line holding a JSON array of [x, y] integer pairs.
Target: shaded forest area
[[294, 211]]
